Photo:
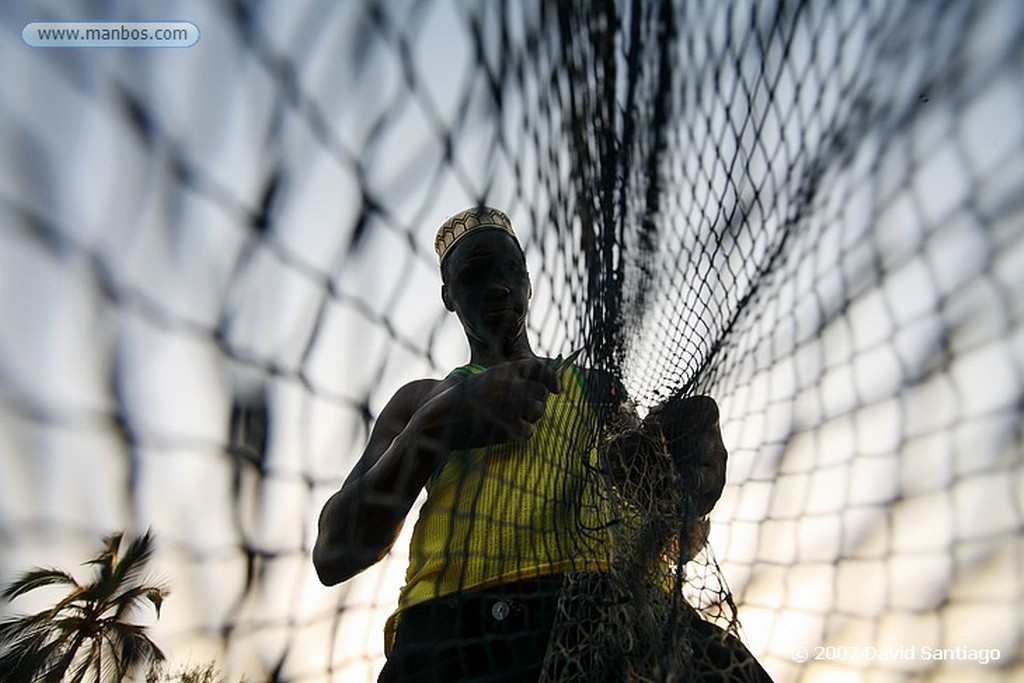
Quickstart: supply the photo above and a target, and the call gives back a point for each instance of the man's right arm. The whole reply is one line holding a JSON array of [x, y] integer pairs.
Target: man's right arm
[[424, 422], [360, 522]]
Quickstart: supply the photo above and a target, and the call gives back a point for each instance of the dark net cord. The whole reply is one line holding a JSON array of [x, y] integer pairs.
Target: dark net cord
[[216, 268]]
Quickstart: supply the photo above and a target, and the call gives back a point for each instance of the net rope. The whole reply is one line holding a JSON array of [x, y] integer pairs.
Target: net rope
[[216, 267]]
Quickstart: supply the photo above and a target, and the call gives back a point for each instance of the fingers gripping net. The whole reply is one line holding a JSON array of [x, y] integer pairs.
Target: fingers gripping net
[[214, 264], [637, 621]]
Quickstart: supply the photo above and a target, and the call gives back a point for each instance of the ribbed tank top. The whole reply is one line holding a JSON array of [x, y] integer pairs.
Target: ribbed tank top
[[513, 511]]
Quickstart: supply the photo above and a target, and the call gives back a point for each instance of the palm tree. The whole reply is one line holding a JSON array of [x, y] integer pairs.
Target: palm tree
[[87, 630]]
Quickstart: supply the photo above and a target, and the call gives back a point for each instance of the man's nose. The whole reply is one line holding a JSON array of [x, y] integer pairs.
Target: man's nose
[[498, 289]]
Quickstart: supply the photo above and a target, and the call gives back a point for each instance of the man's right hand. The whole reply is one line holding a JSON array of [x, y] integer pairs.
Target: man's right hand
[[501, 404]]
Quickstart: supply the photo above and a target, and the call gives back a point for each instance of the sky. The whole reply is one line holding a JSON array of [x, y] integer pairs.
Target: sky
[[870, 381]]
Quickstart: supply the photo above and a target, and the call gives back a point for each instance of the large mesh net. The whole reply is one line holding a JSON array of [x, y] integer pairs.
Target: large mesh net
[[217, 269]]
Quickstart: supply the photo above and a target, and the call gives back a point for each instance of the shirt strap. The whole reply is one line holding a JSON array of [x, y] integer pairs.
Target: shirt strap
[[466, 370]]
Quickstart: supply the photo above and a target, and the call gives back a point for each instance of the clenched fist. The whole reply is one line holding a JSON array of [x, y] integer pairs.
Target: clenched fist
[[691, 431]]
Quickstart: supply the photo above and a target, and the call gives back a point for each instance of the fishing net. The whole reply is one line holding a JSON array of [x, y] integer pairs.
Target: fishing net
[[216, 268]]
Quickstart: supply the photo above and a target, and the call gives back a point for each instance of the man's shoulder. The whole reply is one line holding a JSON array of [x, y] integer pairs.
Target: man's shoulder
[[412, 395], [415, 392]]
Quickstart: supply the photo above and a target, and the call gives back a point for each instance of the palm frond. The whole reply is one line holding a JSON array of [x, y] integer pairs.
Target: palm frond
[[111, 543], [70, 625], [28, 658], [56, 672], [76, 599], [36, 645], [106, 561], [38, 578], [86, 662], [98, 591], [131, 647], [17, 627], [130, 599], [81, 669], [156, 596], [135, 558]]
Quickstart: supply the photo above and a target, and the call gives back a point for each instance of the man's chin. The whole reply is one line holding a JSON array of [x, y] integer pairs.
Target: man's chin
[[503, 326], [502, 318]]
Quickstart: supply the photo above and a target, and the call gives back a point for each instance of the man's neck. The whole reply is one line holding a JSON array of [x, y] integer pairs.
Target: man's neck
[[489, 355]]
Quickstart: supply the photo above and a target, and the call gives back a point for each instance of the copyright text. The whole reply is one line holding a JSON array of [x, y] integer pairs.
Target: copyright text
[[871, 653]]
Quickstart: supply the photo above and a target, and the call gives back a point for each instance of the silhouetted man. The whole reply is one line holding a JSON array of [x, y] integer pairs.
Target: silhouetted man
[[507, 447]]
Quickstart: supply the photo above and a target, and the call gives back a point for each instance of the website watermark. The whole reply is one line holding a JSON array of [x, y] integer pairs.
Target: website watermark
[[902, 653], [166, 34]]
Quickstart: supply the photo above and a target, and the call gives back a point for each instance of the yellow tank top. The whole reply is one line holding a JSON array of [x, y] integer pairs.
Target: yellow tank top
[[514, 511]]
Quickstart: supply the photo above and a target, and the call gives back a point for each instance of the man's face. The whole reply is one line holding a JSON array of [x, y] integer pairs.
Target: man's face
[[487, 286]]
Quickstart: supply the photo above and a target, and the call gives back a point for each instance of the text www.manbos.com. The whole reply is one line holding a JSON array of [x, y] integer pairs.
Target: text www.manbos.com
[[110, 34]]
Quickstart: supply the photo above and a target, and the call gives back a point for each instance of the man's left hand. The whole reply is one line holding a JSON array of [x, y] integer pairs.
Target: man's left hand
[[691, 431]]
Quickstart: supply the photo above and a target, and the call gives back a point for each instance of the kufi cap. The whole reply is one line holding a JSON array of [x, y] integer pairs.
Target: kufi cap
[[469, 221]]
